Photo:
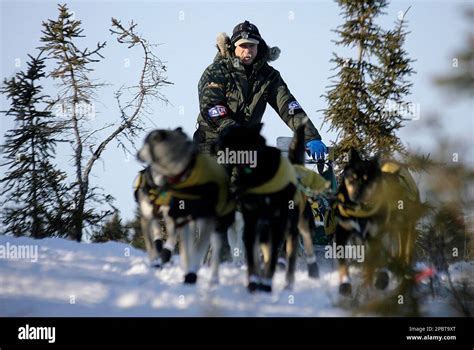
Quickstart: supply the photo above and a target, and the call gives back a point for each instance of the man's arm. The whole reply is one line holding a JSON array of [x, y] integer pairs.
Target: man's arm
[[212, 99], [289, 110]]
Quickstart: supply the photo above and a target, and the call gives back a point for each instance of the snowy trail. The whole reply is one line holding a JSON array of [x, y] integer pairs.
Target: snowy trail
[[113, 279]]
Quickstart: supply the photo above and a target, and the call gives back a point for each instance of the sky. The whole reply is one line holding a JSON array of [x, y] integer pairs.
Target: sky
[[186, 32]]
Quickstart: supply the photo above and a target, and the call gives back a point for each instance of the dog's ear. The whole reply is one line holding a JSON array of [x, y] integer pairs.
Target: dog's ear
[[375, 164], [256, 136], [156, 135], [296, 151], [376, 160], [354, 156], [144, 155], [257, 128]]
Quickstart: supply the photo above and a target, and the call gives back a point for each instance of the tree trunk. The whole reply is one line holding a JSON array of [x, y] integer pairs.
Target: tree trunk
[[78, 221]]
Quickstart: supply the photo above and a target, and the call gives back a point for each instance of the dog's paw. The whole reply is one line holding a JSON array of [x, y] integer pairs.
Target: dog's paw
[[252, 287], [254, 282], [190, 278], [267, 288], [381, 280], [313, 270], [281, 264], [289, 286], [156, 264], [265, 285], [345, 289], [165, 255]]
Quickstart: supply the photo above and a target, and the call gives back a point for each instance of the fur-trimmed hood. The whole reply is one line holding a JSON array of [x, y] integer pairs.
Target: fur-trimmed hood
[[265, 52]]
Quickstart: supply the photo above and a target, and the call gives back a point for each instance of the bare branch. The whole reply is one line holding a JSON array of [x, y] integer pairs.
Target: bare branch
[[149, 84], [97, 130]]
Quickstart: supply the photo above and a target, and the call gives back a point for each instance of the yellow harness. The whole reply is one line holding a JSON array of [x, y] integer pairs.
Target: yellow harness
[[205, 171], [359, 211], [284, 175], [404, 180], [309, 181], [158, 198]]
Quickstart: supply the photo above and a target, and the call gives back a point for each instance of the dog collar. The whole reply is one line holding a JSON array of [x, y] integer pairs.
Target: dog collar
[[183, 175]]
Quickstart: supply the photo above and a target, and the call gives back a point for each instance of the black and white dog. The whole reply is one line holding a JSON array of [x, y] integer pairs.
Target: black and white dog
[[190, 191], [270, 203]]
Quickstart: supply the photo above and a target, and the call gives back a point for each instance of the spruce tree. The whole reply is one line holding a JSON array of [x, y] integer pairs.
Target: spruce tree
[[72, 72], [113, 230], [366, 106], [137, 239], [75, 101], [34, 197], [366, 100]]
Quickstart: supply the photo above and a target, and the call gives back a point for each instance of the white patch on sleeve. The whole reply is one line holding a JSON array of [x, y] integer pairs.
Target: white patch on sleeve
[[294, 105], [217, 111]]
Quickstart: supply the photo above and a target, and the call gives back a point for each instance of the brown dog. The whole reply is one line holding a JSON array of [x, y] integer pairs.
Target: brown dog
[[377, 206]]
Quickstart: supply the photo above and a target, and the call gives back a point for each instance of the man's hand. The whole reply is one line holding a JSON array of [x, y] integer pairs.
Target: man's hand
[[316, 149]]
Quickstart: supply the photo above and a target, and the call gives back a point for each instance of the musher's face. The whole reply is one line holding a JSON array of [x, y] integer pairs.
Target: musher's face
[[246, 53]]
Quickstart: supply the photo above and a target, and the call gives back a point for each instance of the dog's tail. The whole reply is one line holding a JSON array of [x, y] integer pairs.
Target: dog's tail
[[296, 153]]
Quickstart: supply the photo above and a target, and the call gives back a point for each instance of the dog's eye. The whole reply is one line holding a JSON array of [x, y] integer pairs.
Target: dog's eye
[[365, 177], [354, 176]]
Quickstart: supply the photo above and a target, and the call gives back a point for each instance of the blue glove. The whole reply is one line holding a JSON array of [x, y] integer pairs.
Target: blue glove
[[316, 149]]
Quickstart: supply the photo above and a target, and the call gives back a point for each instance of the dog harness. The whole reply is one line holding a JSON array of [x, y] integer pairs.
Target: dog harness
[[309, 182], [358, 211], [284, 175], [395, 179], [207, 181], [205, 176], [404, 180], [157, 197]]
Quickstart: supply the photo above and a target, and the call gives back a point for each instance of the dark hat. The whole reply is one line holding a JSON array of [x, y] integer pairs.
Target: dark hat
[[245, 32]]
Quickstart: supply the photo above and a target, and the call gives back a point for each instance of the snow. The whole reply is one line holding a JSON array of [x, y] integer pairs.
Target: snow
[[114, 279]]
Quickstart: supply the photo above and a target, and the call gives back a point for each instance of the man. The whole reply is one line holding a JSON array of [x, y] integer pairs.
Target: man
[[237, 86]]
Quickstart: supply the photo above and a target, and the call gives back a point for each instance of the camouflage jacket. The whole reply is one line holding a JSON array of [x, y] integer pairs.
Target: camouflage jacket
[[228, 94]]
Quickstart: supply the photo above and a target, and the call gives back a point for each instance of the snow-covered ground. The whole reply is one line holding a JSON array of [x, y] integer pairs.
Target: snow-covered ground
[[66, 278]]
